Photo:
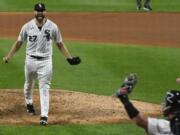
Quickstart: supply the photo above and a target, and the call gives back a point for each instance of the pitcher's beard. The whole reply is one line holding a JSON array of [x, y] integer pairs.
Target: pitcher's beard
[[39, 18]]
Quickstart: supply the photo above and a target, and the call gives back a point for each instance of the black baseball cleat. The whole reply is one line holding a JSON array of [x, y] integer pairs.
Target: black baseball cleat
[[30, 109], [43, 121], [147, 8]]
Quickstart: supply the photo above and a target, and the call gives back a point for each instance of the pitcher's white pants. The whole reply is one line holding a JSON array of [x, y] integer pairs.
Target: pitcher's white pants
[[41, 70]]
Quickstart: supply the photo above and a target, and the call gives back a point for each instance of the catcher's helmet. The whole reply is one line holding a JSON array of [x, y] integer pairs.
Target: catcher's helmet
[[40, 7], [171, 102]]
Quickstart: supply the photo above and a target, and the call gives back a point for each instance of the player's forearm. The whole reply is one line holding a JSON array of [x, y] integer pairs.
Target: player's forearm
[[132, 112], [64, 50], [122, 93], [141, 121], [16, 46]]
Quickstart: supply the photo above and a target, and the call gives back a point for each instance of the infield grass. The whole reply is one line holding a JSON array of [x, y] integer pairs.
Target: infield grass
[[102, 69], [101, 129], [88, 5]]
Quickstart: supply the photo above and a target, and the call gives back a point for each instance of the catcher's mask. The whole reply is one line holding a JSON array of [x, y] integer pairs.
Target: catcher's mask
[[171, 103], [39, 7]]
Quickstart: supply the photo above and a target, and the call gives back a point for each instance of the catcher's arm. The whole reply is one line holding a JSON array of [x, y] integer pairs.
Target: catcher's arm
[[16, 46], [126, 88]]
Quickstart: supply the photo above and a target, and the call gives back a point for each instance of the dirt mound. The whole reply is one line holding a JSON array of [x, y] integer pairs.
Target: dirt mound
[[68, 107]]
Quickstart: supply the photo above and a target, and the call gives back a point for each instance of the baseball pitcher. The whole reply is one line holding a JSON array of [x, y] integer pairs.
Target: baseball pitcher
[[39, 34]]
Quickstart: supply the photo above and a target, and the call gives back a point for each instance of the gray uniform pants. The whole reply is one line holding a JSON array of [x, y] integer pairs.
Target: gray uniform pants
[[41, 70], [146, 3]]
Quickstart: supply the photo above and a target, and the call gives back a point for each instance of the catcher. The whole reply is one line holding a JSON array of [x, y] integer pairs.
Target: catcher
[[153, 126]]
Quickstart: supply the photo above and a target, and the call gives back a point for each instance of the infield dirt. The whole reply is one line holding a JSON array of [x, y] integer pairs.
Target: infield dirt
[[68, 107], [158, 29]]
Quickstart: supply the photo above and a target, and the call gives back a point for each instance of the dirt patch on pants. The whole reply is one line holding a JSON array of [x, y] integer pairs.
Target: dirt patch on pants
[[68, 107]]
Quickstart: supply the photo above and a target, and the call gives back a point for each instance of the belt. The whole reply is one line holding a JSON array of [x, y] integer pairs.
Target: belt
[[36, 57]]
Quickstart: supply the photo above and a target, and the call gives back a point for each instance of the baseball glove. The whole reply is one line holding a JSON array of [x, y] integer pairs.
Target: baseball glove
[[128, 84], [74, 60]]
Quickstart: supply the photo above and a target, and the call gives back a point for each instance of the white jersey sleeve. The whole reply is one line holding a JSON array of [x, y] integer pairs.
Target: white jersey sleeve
[[23, 33], [57, 34], [158, 127]]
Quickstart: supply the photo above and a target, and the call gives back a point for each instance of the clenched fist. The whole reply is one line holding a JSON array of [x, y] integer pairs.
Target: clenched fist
[[6, 59]]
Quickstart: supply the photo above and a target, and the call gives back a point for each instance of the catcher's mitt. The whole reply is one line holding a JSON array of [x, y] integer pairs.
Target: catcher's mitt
[[128, 84], [74, 60]]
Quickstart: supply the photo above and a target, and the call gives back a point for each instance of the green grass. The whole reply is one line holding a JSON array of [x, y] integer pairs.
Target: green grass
[[88, 5], [102, 69], [109, 129]]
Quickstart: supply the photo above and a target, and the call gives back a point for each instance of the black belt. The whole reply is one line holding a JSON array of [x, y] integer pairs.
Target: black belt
[[36, 57]]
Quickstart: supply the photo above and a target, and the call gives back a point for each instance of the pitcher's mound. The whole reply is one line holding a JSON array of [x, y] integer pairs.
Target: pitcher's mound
[[68, 107]]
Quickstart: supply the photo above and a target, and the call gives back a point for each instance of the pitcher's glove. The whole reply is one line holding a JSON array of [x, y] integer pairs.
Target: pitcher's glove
[[128, 85], [74, 60]]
